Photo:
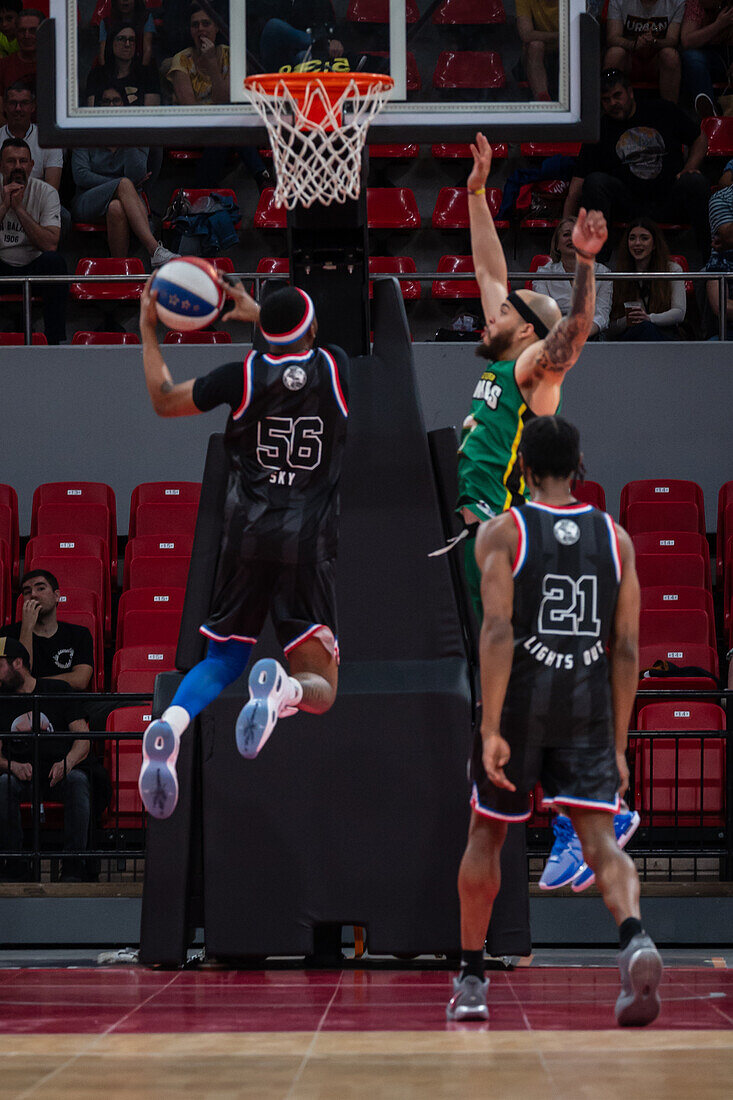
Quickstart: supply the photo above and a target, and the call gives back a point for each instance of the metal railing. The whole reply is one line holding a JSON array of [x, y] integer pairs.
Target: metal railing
[[414, 276]]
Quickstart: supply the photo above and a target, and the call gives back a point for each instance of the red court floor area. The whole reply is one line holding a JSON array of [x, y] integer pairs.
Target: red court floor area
[[133, 1000]]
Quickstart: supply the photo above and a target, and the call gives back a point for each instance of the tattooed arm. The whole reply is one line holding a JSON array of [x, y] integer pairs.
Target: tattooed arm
[[541, 368], [168, 397]]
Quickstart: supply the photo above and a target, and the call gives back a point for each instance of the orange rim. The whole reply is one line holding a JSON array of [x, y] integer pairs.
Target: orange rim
[[334, 84]]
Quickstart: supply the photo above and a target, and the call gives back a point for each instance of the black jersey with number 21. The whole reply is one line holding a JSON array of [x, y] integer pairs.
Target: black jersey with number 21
[[285, 439], [566, 579]]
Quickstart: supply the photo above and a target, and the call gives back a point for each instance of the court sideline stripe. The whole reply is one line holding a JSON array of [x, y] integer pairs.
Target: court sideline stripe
[[311, 1046]]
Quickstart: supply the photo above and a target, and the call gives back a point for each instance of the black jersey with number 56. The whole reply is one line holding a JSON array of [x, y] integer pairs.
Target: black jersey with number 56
[[566, 579], [285, 439]]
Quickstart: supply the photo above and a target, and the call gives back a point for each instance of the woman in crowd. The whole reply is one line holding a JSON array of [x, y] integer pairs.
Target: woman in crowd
[[129, 11], [138, 83], [198, 75], [108, 186], [642, 308], [562, 259]]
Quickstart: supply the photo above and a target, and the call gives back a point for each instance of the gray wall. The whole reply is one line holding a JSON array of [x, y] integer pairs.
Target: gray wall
[[643, 411]]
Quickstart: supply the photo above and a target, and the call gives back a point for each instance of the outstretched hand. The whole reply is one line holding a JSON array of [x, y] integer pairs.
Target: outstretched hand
[[245, 307], [590, 231], [481, 152]]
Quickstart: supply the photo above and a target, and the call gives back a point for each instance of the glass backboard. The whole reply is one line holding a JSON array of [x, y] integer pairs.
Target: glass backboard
[[518, 69]]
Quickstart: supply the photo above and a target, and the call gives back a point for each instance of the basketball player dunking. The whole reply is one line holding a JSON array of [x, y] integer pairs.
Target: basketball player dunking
[[558, 585], [284, 439], [529, 349]]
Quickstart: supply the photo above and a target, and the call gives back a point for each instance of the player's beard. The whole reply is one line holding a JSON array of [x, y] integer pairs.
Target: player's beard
[[496, 348]]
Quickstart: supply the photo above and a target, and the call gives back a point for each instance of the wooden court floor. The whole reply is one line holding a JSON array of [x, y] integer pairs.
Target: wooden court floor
[[353, 1034]]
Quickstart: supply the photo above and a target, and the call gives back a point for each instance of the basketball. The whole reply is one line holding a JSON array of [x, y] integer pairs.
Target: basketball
[[189, 295]]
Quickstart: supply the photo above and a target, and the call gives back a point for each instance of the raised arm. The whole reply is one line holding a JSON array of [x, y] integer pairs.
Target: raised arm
[[541, 367], [488, 255]]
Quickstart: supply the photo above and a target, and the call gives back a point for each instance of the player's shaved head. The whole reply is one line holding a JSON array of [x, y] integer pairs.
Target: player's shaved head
[[545, 307]]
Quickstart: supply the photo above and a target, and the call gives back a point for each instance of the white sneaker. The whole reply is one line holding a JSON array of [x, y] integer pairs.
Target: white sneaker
[[162, 256], [270, 698]]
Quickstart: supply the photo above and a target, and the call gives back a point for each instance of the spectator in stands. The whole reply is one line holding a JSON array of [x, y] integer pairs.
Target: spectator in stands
[[537, 27], [129, 12], [109, 184], [646, 33], [563, 259], [639, 165], [138, 83], [20, 109], [59, 650], [63, 774], [721, 262], [646, 309], [30, 226], [200, 74], [21, 65], [294, 30], [706, 37], [9, 11]]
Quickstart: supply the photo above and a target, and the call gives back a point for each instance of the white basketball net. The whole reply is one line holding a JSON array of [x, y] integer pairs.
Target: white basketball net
[[318, 161]]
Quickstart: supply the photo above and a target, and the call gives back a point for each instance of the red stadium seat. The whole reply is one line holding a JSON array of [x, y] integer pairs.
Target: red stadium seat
[[462, 151], [451, 208], [590, 492], [168, 518], [682, 598], [377, 11], [74, 570], [413, 83], [17, 339], [117, 291], [142, 658], [538, 261], [200, 336], [9, 526], [156, 547], [548, 193], [671, 625], [5, 596], [123, 764], [77, 492], [461, 13], [93, 338], [719, 132], [149, 616], [645, 515], [682, 653], [670, 569], [161, 492], [725, 525], [149, 572], [681, 782], [395, 265], [267, 214], [672, 544], [392, 208], [463, 70], [394, 152], [663, 490], [678, 258], [456, 288], [71, 520], [544, 149]]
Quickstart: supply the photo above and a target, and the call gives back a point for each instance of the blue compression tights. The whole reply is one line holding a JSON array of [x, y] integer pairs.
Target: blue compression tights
[[223, 664]]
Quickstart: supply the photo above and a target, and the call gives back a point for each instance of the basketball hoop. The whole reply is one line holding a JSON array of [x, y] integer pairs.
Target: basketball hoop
[[317, 123]]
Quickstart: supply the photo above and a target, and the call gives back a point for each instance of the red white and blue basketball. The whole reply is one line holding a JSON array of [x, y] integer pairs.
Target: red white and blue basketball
[[189, 295]]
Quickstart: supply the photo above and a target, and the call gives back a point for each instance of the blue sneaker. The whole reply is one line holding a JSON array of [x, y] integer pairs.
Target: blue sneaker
[[566, 857], [625, 824], [158, 782], [268, 684]]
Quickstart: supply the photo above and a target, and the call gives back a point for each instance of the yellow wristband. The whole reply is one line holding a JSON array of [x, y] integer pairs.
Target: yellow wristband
[[478, 191]]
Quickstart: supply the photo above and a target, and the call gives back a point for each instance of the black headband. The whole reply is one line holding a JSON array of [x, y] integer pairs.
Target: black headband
[[528, 314]]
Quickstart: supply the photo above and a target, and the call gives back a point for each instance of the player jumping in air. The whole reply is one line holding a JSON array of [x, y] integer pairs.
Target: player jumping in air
[[559, 586], [284, 439], [529, 349]]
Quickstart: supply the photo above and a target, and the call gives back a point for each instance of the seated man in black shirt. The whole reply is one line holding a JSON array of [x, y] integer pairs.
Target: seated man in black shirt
[[647, 161], [61, 651], [62, 774]]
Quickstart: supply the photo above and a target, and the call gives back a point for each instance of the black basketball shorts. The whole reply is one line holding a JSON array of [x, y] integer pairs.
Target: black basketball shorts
[[572, 776], [300, 598]]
